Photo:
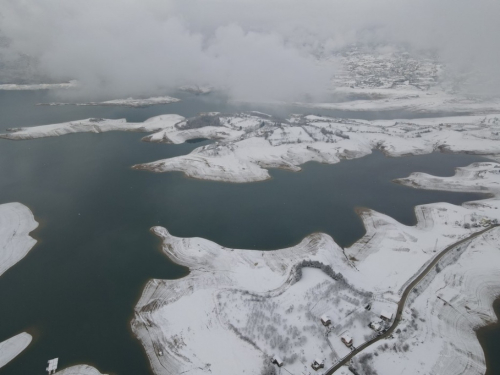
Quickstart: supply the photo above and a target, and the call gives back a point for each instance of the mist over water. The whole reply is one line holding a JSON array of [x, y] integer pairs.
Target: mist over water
[[253, 50]]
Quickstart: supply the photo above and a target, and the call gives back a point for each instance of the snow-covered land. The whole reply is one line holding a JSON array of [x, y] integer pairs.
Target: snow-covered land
[[250, 143], [38, 86], [238, 308], [437, 334], [9, 349], [390, 79], [195, 89], [79, 370], [16, 222], [410, 100], [93, 125], [129, 102]]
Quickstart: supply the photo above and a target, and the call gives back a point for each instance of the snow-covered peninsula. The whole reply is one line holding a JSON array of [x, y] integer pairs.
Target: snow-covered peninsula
[[251, 143], [253, 305], [11, 348], [129, 102], [38, 86], [247, 144], [16, 222]]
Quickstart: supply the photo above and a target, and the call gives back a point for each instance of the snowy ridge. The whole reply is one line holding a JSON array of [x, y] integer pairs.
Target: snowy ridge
[[16, 222], [11, 348], [129, 102]]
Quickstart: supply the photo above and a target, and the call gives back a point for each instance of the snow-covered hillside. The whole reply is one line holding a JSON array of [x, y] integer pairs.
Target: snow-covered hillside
[[238, 308]]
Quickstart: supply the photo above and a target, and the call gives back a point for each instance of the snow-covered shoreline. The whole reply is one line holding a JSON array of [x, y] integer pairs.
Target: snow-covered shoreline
[[11, 348], [92, 125], [129, 102], [79, 370], [413, 101], [38, 86], [248, 144], [16, 222], [231, 297]]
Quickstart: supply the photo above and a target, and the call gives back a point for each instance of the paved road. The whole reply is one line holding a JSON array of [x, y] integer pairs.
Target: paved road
[[404, 297]]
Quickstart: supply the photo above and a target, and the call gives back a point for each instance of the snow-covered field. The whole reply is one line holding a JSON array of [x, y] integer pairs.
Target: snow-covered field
[[10, 348], [437, 334], [238, 308], [129, 102]]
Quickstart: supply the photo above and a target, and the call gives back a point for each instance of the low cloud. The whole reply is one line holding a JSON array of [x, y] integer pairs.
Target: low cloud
[[253, 49]]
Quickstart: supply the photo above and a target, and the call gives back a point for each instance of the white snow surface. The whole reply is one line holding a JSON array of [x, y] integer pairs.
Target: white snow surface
[[16, 222], [238, 308], [93, 125], [79, 370], [437, 335], [38, 86], [11, 348], [129, 102], [410, 100], [250, 143], [247, 144], [196, 89]]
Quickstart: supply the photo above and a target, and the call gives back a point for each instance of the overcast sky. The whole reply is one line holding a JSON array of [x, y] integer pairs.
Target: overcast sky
[[270, 49]]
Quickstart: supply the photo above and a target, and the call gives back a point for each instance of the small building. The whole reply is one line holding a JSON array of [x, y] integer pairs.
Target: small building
[[52, 367], [325, 319], [317, 364], [376, 326], [277, 361], [386, 315], [347, 340], [485, 222]]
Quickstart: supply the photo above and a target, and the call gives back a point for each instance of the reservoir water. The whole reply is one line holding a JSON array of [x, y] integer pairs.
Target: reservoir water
[[76, 290], [489, 337]]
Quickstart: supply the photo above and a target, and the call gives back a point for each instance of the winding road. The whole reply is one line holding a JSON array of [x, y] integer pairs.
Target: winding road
[[404, 297]]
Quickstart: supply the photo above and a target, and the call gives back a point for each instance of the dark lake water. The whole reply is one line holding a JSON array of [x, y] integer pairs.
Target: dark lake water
[[489, 337], [76, 290]]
